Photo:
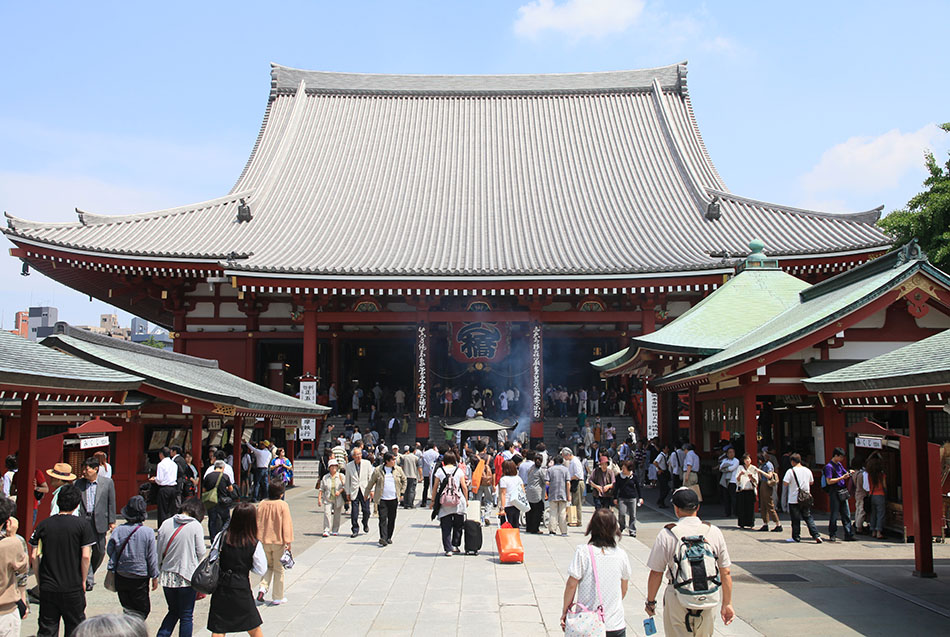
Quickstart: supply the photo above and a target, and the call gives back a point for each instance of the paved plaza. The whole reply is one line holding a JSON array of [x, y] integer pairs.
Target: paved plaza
[[342, 586]]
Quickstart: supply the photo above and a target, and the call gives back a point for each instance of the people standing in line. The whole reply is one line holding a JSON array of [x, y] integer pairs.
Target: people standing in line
[[601, 481], [133, 559], [13, 577], [629, 496], [63, 566], [451, 515], [386, 485], [875, 483], [747, 485], [409, 464], [330, 498], [678, 619], [535, 479], [729, 467], [559, 493], [218, 510], [576, 469], [98, 507], [429, 458], [661, 463], [181, 547], [232, 603], [768, 480], [836, 479], [166, 477], [599, 574], [861, 497], [797, 480], [358, 472], [275, 530], [508, 488]]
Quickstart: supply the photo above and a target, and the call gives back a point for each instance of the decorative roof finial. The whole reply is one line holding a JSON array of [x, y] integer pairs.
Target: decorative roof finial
[[756, 246], [244, 212]]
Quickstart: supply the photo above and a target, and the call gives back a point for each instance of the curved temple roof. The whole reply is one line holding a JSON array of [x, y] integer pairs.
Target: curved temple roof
[[517, 175]]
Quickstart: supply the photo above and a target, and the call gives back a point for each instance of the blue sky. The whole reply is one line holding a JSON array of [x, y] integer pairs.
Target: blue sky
[[126, 107]]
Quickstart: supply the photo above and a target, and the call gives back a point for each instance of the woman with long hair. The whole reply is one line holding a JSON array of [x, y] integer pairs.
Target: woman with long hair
[[232, 604], [275, 530], [747, 483], [612, 566], [508, 487], [875, 483]]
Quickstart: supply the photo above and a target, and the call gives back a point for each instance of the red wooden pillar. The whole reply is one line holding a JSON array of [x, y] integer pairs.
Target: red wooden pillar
[[250, 358], [237, 442], [178, 326], [832, 421], [197, 453], [695, 421], [29, 413], [335, 360], [537, 382], [310, 342], [422, 381], [750, 421], [920, 492]]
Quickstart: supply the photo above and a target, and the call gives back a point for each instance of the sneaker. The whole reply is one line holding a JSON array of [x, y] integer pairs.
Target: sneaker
[[334, 533], [260, 596], [278, 602], [326, 534], [366, 528], [793, 539], [831, 538], [633, 534], [389, 541], [382, 542], [777, 529], [552, 533], [456, 549], [563, 534], [764, 527], [354, 534], [817, 540], [449, 554]]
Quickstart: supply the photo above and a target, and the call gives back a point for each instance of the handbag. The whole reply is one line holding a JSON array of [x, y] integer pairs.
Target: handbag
[[287, 559], [805, 499], [110, 572], [520, 501], [586, 622], [206, 575]]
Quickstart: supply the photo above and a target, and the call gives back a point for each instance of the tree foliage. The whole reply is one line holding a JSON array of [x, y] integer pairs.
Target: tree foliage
[[927, 216], [153, 342]]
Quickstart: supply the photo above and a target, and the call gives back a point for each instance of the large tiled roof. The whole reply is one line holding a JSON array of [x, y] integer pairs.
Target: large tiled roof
[[922, 364], [518, 175], [27, 364], [188, 376]]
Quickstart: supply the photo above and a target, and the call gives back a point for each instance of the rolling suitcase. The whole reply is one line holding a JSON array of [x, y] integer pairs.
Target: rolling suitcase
[[472, 535], [510, 549]]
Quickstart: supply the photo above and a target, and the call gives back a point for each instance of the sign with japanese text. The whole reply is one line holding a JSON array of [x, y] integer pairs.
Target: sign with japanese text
[[653, 415], [92, 443], [308, 426]]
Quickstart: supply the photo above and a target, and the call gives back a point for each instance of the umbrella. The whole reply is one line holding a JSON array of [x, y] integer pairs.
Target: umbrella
[[477, 424]]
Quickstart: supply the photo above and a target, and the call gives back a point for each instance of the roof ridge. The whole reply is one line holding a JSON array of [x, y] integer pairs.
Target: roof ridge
[[897, 257], [866, 216], [64, 329]]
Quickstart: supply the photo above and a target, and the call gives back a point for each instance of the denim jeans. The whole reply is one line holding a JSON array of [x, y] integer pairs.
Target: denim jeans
[[798, 514], [181, 608], [840, 509], [878, 506], [217, 517], [409, 497], [627, 508]]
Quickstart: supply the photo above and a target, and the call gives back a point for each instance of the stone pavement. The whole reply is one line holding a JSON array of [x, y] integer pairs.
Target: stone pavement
[[344, 586]]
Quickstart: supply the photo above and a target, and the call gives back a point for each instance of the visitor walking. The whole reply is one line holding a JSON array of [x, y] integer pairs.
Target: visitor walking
[[232, 603], [599, 574], [602, 483], [508, 488], [67, 542], [166, 478], [133, 559], [386, 485], [275, 530], [483, 482], [747, 485], [358, 472], [559, 493], [429, 457], [837, 479], [181, 547], [409, 464], [679, 619], [330, 498], [628, 496], [98, 507], [217, 497], [576, 469], [798, 481], [661, 462], [448, 501], [534, 481]]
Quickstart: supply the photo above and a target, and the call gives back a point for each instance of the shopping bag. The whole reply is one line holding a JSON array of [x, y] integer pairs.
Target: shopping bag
[[508, 541], [572, 515], [473, 510]]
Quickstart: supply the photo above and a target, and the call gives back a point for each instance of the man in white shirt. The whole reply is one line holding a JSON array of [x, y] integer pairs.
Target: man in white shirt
[[262, 458], [729, 467], [166, 477], [799, 479], [676, 460], [228, 471], [576, 470], [391, 429], [470, 412], [503, 403], [429, 457], [661, 462], [400, 397]]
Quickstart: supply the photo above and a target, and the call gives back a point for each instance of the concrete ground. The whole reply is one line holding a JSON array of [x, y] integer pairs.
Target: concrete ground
[[343, 586]]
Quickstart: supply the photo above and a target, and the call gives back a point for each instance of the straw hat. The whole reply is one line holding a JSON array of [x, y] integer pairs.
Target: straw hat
[[61, 471]]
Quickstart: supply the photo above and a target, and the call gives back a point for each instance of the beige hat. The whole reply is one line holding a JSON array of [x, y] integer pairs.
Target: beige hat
[[333, 463], [61, 471]]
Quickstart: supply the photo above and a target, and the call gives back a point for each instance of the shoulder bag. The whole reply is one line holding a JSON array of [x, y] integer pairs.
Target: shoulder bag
[[110, 572], [519, 500], [805, 499], [206, 575], [582, 621]]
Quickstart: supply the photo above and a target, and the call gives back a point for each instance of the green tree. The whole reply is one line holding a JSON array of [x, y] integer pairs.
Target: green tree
[[151, 342], [927, 216]]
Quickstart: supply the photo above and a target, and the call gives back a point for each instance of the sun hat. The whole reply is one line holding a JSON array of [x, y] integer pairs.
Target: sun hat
[[61, 471], [333, 463]]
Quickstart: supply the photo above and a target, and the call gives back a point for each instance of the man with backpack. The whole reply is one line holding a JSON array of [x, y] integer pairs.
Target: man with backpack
[[693, 556]]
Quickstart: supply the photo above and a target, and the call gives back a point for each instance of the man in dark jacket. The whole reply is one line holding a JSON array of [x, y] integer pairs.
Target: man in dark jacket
[[98, 507]]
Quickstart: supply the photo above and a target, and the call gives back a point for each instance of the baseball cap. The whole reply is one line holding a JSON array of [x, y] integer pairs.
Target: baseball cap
[[405, 448], [686, 499]]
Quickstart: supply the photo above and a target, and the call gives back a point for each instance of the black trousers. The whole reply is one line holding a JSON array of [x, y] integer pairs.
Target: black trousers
[[133, 595], [167, 502], [663, 481], [451, 530], [218, 516], [513, 516], [98, 553], [426, 484], [534, 516], [387, 518], [729, 499], [70, 607], [359, 502], [409, 497]]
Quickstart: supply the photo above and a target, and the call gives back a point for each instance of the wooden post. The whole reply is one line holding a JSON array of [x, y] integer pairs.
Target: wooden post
[[197, 453], [750, 422], [920, 492], [310, 342], [695, 421], [29, 412]]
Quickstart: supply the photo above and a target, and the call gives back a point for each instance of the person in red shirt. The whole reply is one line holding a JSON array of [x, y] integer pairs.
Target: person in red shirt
[[40, 488]]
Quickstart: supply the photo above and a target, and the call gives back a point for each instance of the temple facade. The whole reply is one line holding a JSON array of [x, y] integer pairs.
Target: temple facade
[[428, 232]]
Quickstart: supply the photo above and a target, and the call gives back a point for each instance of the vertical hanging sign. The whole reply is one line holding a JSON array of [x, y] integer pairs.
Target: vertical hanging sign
[[653, 414], [308, 426], [537, 411], [422, 386]]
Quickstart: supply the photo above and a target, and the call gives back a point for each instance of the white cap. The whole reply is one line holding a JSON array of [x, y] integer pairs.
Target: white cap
[[333, 463]]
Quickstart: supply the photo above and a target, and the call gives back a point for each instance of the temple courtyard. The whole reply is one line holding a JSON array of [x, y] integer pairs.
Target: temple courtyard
[[343, 586]]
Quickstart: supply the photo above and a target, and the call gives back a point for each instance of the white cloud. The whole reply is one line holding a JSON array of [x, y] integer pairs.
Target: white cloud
[[870, 165], [578, 18]]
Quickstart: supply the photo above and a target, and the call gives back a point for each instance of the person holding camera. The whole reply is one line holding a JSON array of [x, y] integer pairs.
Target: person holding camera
[[836, 479]]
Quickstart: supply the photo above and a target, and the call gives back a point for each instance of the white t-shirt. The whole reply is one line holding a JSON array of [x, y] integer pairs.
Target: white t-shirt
[[440, 474], [389, 485], [805, 478], [503, 401], [613, 566], [511, 485], [105, 470], [729, 468], [228, 471], [7, 482], [692, 461]]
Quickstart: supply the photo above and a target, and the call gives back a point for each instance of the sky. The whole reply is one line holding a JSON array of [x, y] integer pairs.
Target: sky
[[128, 107]]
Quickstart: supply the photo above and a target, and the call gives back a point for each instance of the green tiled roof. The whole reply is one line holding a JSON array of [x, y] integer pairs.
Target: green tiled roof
[[29, 364], [197, 378], [818, 311], [921, 364]]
